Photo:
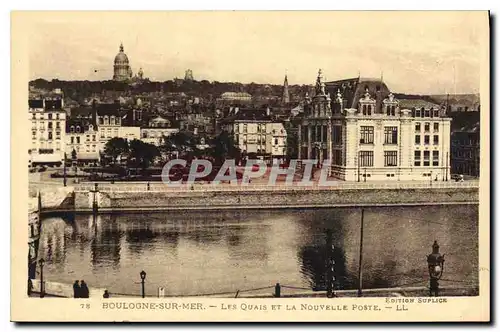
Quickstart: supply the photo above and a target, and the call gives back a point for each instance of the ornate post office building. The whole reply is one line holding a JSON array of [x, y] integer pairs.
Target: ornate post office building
[[366, 134]]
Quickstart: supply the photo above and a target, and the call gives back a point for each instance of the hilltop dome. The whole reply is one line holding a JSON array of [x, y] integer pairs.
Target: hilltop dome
[[121, 66]]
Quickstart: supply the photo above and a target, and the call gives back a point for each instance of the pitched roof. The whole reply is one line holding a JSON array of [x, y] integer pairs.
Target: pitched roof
[[53, 104], [248, 115], [353, 89], [417, 103], [35, 103]]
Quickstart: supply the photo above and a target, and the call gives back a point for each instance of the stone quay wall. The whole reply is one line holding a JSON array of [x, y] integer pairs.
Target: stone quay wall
[[172, 200]]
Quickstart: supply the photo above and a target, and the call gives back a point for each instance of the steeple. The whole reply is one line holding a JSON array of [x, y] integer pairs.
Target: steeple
[[320, 85], [286, 95], [121, 47]]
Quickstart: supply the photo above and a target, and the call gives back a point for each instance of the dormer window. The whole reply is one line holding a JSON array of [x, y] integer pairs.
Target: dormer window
[[77, 129], [391, 110]]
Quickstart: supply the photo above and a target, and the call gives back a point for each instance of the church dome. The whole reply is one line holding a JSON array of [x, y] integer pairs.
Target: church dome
[[121, 57]]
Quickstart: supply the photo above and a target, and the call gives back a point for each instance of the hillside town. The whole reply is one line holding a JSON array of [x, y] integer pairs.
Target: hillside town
[[366, 131]]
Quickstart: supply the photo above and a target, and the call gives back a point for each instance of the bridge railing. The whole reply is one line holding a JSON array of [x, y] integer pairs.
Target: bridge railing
[[199, 187]]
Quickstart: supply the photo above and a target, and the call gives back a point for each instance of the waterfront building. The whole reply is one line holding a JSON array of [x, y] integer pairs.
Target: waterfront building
[[156, 130], [255, 132], [465, 150], [121, 68], [82, 137], [48, 139], [366, 134]]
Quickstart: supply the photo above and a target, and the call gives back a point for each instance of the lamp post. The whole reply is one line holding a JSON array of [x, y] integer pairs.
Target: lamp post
[[330, 272], [64, 169], [42, 286], [143, 277], [435, 262]]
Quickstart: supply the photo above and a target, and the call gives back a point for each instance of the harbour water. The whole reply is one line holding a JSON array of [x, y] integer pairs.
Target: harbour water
[[193, 253]]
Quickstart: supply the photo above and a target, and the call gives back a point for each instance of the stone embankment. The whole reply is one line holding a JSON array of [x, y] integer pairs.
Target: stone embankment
[[122, 199]]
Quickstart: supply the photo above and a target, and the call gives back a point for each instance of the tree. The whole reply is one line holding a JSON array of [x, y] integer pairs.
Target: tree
[[225, 147], [142, 153], [116, 147], [181, 141]]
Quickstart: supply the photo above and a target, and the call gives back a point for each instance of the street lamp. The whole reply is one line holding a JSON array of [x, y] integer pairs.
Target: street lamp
[[143, 277], [42, 288], [435, 262]]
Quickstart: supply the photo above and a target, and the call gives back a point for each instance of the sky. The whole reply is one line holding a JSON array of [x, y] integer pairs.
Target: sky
[[417, 52]]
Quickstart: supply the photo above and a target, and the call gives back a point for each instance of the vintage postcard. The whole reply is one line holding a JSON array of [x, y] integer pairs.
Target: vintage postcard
[[251, 166]]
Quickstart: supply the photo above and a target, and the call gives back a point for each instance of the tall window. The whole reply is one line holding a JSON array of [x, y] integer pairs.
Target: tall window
[[426, 139], [366, 135], [365, 158], [101, 121], [436, 113], [436, 127], [33, 133], [391, 135], [390, 158], [325, 133], [427, 158], [318, 133], [435, 158], [337, 135], [427, 113], [418, 113], [391, 110], [275, 141], [436, 139], [72, 140], [417, 157], [49, 125], [117, 121], [50, 116], [50, 135], [58, 125], [77, 139], [417, 139], [427, 126], [367, 109], [337, 157], [57, 116], [303, 133], [417, 126]]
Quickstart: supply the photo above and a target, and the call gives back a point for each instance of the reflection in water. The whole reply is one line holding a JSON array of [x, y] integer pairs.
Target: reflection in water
[[208, 252]]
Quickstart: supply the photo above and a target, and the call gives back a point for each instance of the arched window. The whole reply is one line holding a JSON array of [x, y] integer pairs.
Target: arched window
[[72, 129], [364, 109], [91, 127], [77, 129]]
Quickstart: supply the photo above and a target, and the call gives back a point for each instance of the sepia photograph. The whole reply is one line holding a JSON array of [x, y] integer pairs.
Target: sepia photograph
[[315, 157]]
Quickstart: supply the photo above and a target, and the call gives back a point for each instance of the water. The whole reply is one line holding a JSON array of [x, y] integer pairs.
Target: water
[[192, 253]]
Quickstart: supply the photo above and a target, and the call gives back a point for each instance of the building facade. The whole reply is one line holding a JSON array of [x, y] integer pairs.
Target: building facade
[[368, 135], [255, 132], [48, 134], [465, 150], [82, 137]]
